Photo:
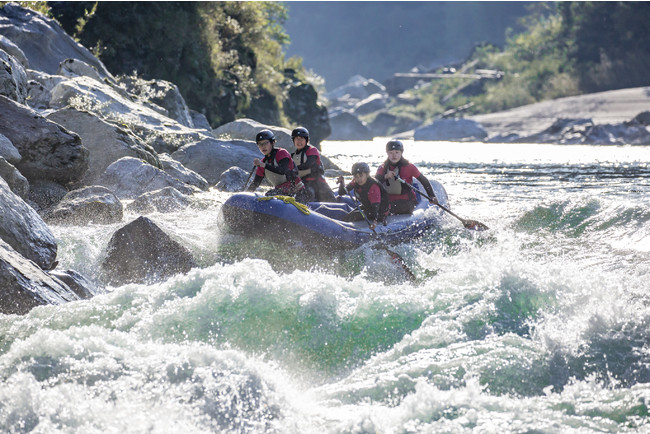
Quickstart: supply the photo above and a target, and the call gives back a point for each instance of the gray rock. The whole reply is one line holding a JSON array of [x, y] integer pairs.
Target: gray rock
[[106, 143], [141, 252], [302, 107], [43, 42], [211, 157], [13, 79], [373, 103], [39, 89], [200, 121], [23, 285], [49, 152], [130, 177], [386, 124], [94, 204], [24, 230], [165, 200], [13, 50], [8, 151], [233, 179], [247, 129], [77, 68], [155, 129], [451, 129], [160, 94], [357, 87], [44, 195], [78, 284], [16, 181], [643, 118], [346, 126], [182, 173]]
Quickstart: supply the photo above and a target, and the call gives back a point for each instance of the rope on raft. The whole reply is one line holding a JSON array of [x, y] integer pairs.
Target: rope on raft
[[290, 200]]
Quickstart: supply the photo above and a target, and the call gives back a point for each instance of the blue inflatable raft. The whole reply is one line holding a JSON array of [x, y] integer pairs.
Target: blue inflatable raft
[[281, 218]]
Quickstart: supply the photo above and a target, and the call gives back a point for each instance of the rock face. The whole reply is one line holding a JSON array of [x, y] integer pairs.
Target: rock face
[[211, 157], [167, 199], [16, 181], [95, 204], [13, 79], [303, 108], [23, 285], [48, 151], [24, 230], [346, 126], [141, 252], [129, 177], [106, 143], [43, 42]]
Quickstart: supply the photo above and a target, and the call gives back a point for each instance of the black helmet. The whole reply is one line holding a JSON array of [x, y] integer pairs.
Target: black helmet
[[265, 135], [394, 145], [360, 167], [300, 132]]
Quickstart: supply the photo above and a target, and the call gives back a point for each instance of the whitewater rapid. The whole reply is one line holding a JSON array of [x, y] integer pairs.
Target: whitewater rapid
[[541, 324]]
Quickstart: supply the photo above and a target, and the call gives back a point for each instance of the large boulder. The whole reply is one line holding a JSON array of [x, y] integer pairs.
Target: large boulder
[[8, 151], [49, 151], [24, 230], [165, 200], [43, 42], [13, 50], [13, 79], [16, 181], [106, 143], [211, 157], [78, 284], [94, 204], [115, 106], [451, 129], [303, 108], [585, 131], [141, 252], [130, 177], [247, 129], [160, 95], [373, 103], [357, 87], [182, 173], [234, 179], [346, 126], [23, 285]]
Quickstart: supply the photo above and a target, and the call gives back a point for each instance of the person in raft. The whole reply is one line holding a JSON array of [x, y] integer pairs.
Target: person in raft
[[370, 193], [310, 168], [278, 168], [401, 198]]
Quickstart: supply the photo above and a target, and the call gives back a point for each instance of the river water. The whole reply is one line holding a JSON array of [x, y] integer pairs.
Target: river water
[[541, 324]]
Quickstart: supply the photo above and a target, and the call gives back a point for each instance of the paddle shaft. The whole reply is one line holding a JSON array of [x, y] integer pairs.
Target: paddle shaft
[[249, 178], [470, 224], [394, 255]]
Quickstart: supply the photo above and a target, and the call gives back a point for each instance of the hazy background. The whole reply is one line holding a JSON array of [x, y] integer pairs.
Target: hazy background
[[376, 39]]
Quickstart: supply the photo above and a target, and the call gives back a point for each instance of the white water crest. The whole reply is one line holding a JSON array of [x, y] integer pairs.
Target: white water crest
[[540, 324]]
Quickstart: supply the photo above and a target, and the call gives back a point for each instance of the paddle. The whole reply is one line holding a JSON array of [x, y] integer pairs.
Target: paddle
[[394, 256], [469, 224], [249, 178]]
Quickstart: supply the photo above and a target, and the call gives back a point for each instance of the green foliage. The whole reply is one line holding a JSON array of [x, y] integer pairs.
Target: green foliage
[[221, 55], [37, 6], [566, 48]]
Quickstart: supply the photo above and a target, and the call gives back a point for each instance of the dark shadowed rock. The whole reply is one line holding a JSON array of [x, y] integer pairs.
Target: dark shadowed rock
[[79, 284], [44, 195], [16, 181], [106, 143], [386, 124], [24, 230], [303, 109], [23, 285], [643, 118], [94, 204], [49, 151], [346, 126], [233, 179], [130, 177], [8, 151], [167, 199], [451, 129], [13, 79], [141, 252], [42, 40]]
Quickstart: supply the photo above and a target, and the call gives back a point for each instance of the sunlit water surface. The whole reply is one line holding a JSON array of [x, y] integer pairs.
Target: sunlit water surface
[[541, 324]]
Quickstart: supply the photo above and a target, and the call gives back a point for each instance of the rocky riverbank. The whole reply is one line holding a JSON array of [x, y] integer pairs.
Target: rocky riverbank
[[75, 141]]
